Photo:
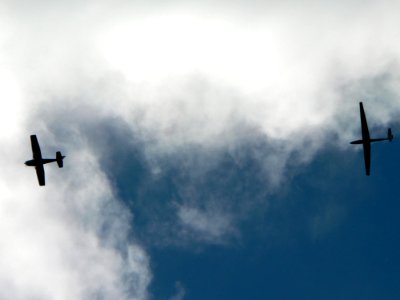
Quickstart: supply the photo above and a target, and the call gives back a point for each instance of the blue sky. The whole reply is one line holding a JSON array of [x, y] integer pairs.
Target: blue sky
[[357, 257], [207, 148], [331, 232]]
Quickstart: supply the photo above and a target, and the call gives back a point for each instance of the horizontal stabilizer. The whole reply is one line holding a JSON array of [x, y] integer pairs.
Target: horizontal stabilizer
[[59, 158], [390, 136]]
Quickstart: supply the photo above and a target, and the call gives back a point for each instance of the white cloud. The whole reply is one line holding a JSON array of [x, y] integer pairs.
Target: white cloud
[[197, 76], [68, 240], [210, 225], [180, 292], [212, 78]]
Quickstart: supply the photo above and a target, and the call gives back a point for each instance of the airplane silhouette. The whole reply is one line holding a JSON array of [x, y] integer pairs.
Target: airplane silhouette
[[366, 140], [38, 161]]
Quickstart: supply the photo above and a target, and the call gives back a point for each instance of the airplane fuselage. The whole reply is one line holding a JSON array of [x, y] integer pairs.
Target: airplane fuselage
[[37, 162], [368, 141]]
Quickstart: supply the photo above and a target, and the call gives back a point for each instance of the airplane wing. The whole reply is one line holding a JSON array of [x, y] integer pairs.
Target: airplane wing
[[366, 140], [40, 174], [364, 125], [37, 154], [367, 157]]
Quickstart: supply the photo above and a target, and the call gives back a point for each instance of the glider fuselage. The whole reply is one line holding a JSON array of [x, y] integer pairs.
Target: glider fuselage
[[41, 161]]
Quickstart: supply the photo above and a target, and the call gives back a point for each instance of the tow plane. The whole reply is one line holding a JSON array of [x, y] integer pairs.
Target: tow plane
[[366, 139], [38, 161]]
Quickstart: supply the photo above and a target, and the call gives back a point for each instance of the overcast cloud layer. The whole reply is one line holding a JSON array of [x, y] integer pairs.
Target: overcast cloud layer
[[187, 84]]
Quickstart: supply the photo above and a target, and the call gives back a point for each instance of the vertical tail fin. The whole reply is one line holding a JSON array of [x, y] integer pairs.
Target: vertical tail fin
[[390, 136], [59, 158]]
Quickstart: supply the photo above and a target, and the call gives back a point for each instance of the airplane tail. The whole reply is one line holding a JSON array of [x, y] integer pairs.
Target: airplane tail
[[59, 158], [390, 136]]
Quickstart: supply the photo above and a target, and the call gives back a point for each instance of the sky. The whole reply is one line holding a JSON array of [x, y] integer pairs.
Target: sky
[[207, 149]]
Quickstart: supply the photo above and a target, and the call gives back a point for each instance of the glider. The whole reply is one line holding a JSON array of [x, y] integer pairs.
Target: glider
[[366, 139], [38, 161]]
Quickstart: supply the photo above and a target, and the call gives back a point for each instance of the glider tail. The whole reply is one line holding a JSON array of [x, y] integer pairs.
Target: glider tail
[[390, 136], [59, 158]]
